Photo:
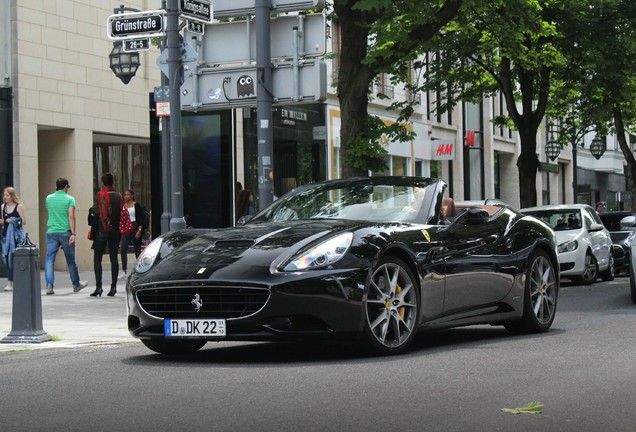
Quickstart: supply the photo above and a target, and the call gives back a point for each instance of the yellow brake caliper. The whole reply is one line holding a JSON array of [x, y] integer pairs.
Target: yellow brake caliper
[[402, 309]]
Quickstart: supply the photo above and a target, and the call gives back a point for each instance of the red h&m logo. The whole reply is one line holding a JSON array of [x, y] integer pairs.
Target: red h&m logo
[[445, 149], [470, 138]]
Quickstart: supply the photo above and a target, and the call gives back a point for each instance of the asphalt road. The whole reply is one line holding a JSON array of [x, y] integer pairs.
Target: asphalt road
[[583, 372]]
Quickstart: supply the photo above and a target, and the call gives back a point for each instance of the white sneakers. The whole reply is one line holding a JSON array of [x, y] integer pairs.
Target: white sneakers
[[8, 288], [122, 275], [81, 286]]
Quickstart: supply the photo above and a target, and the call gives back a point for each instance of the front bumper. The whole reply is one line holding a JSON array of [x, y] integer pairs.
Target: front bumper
[[298, 306]]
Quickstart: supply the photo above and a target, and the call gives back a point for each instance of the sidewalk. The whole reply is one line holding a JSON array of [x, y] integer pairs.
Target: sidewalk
[[72, 319]]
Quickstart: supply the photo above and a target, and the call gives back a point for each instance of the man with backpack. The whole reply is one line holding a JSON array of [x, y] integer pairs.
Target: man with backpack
[[109, 204]]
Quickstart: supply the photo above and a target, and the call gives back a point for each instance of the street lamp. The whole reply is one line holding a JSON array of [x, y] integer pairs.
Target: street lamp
[[598, 147], [123, 64], [553, 147]]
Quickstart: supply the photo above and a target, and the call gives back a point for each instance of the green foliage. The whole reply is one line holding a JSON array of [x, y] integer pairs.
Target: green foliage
[[364, 150]]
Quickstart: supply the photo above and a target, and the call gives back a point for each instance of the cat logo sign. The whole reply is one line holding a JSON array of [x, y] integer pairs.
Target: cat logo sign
[[443, 150]]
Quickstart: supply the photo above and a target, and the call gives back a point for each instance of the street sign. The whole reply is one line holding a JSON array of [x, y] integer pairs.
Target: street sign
[[216, 88], [162, 93], [133, 45], [136, 25], [228, 42], [199, 10], [196, 27], [234, 8]]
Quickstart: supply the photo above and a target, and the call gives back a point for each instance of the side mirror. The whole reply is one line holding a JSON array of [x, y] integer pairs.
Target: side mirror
[[596, 227], [628, 221], [471, 216]]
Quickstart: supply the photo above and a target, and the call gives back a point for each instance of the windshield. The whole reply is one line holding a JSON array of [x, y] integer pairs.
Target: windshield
[[562, 220], [388, 199]]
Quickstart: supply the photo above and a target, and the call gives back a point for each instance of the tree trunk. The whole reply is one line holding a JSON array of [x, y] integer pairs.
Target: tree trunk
[[354, 78], [528, 165], [629, 156]]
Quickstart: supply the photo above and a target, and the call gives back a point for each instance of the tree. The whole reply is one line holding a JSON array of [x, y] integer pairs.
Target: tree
[[504, 46], [599, 85], [376, 36]]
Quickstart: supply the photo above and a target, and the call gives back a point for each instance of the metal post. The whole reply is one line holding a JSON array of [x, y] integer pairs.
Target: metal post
[[27, 297], [174, 68], [575, 184], [264, 101], [166, 196]]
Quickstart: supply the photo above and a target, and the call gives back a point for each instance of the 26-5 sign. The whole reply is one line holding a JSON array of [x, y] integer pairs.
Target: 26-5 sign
[[136, 25]]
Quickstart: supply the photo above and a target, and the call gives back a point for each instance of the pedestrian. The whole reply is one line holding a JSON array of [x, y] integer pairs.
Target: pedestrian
[[139, 222], [244, 204], [13, 221], [600, 207], [60, 233], [109, 204]]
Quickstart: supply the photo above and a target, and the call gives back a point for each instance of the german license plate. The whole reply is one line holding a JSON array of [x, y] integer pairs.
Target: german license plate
[[194, 327]]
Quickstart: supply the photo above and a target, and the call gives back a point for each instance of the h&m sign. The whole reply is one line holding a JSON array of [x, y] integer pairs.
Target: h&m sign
[[443, 150]]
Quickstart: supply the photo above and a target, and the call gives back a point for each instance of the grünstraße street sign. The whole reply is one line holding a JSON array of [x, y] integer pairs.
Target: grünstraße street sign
[[136, 25]]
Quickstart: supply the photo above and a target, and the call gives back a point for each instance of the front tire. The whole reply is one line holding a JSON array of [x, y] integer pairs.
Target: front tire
[[392, 307], [632, 282], [173, 347], [540, 296], [590, 272]]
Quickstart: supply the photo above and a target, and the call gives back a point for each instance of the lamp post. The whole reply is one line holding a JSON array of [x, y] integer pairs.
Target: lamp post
[[123, 64], [553, 147]]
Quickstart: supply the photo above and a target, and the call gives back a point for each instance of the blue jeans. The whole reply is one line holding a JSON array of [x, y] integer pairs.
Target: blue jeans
[[55, 241]]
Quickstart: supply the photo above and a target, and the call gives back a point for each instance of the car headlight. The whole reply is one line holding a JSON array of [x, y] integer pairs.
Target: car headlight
[[148, 256], [321, 255], [568, 246]]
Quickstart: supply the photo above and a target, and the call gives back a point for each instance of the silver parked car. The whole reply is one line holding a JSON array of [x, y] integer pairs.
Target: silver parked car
[[584, 244]]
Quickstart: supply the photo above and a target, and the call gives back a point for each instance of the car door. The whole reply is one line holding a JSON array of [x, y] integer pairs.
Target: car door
[[600, 239], [474, 252]]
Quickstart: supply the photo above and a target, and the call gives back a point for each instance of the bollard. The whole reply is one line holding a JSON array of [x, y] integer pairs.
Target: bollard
[[27, 296]]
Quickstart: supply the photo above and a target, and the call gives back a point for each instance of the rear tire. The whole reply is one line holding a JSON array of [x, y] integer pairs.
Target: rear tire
[[608, 274], [173, 347], [540, 296]]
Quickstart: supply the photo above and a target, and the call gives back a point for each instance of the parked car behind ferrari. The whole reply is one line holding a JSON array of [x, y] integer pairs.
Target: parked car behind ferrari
[[584, 244]]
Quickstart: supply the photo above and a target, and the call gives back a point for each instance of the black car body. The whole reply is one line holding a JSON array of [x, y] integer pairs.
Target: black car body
[[365, 258], [622, 237]]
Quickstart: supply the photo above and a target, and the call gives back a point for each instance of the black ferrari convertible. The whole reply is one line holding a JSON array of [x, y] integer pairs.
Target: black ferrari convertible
[[367, 259]]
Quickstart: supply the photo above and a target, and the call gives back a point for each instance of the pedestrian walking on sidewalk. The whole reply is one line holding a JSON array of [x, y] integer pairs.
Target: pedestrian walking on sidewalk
[[61, 233], [139, 222], [13, 221], [109, 203]]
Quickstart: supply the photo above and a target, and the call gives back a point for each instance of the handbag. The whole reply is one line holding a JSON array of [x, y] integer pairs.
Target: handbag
[[125, 224]]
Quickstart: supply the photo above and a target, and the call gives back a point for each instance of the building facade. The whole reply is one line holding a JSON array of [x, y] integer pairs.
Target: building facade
[[65, 114]]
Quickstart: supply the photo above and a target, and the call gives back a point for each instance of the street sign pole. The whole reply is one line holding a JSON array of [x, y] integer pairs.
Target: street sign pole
[[264, 132], [177, 220]]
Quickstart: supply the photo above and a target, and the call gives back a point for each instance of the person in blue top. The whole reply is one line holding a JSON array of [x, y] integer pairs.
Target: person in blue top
[[13, 220], [244, 203]]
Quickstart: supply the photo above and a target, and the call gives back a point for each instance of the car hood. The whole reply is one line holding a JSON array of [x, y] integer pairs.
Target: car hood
[[564, 236], [239, 253]]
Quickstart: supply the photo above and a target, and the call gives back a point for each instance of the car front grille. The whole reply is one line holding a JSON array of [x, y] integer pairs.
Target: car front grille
[[180, 301]]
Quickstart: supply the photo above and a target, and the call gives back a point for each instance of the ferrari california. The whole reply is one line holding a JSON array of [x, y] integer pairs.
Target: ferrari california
[[372, 259]]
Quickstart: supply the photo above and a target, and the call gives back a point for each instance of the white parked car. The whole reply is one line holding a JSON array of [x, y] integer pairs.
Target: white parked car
[[584, 244], [629, 222]]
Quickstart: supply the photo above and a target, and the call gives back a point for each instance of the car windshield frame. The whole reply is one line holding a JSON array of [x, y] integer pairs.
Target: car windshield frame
[[373, 199]]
